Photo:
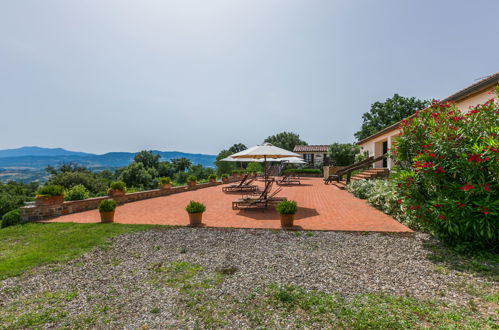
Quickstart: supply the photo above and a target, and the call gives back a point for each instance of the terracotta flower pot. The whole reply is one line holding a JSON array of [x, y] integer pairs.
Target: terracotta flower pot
[[49, 200], [165, 186], [287, 220], [115, 193], [106, 217], [195, 218], [225, 180], [213, 180], [191, 183]]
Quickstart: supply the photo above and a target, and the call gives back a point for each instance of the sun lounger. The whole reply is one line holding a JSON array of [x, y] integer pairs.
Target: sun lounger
[[258, 202], [235, 186], [247, 187], [288, 180]]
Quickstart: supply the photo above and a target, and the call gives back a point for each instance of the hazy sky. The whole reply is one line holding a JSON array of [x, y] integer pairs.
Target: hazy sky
[[198, 76]]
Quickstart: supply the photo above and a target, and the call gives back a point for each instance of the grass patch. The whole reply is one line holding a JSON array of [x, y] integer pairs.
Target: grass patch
[[480, 263], [24, 247]]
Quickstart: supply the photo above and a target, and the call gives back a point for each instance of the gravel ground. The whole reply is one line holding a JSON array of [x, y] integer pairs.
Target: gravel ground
[[123, 285]]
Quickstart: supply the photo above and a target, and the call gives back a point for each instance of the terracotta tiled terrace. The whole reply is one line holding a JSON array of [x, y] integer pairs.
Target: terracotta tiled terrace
[[321, 207]]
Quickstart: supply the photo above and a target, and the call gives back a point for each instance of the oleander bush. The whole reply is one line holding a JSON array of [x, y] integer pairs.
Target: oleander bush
[[118, 185], [77, 192], [50, 191], [11, 218], [195, 207], [107, 205], [287, 207], [302, 171], [447, 175]]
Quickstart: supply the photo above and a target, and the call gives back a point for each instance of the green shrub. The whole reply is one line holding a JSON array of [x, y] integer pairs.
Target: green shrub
[[50, 191], [118, 185], [165, 180], [195, 207], [287, 207], [76, 193], [254, 167], [237, 171], [448, 172], [107, 205], [192, 178], [212, 177], [224, 176], [361, 188], [302, 171], [11, 218]]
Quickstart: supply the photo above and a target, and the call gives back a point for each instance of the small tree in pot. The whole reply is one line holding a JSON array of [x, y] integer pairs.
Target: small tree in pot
[[107, 207], [212, 178], [225, 178], [49, 195], [191, 180], [287, 210], [165, 183], [117, 189], [195, 210]]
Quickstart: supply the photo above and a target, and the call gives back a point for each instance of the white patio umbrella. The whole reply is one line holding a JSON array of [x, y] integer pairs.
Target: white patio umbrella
[[266, 152], [293, 160]]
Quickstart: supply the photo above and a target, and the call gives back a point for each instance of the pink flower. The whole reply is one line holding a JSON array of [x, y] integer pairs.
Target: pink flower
[[467, 187]]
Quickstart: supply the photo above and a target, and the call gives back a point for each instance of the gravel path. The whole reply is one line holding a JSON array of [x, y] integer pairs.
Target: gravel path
[[122, 285]]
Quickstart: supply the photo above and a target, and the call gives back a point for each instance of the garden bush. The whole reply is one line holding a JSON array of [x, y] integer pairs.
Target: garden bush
[[107, 205], [76, 193], [195, 207], [448, 172], [361, 188], [287, 207], [118, 185], [192, 178], [212, 177], [224, 176], [50, 191], [11, 218], [165, 180]]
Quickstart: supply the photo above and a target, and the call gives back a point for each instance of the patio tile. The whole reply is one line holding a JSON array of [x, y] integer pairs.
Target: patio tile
[[321, 207]]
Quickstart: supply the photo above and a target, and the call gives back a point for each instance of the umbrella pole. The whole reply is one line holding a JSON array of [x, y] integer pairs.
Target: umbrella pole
[[265, 176]]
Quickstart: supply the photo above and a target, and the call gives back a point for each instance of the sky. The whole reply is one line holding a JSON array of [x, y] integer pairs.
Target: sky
[[199, 76]]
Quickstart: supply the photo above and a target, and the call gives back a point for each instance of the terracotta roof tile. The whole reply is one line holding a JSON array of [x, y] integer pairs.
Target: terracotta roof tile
[[312, 148]]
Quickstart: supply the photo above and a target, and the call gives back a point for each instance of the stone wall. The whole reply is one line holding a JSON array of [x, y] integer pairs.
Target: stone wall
[[40, 212], [330, 170]]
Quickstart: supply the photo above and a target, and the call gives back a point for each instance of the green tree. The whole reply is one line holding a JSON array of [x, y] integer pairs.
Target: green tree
[[343, 154], [147, 158], [238, 147], [384, 114], [254, 167], [138, 176], [285, 140], [224, 167], [166, 169], [181, 164]]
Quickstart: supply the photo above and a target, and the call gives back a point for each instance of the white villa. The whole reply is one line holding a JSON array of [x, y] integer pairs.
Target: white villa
[[477, 93]]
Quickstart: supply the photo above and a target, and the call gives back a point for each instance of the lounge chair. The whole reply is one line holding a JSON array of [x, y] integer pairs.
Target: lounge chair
[[288, 180], [259, 202], [247, 187], [235, 186]]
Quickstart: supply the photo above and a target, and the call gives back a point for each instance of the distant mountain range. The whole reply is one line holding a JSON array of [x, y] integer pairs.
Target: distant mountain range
[[28, 159]]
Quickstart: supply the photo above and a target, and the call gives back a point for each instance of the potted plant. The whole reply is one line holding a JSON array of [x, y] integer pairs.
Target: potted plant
[[117, 189], [195, 210], [165, 183], [191, 181], [49, 195], [212, 178], [287, 210], [225, 178], [235, 173], [107, 207]]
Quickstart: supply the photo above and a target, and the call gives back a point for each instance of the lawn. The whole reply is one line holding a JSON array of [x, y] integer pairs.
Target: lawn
[[26, 246]]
